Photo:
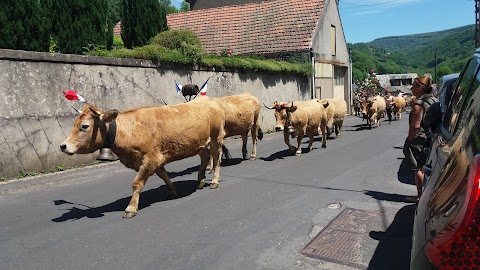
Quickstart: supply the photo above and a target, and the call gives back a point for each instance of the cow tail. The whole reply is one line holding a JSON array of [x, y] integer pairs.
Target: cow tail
[[226, 152], [260, 134]]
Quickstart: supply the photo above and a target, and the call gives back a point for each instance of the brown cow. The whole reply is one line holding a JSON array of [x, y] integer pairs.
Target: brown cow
[[336, 113], [376, 108], [146, 139], [301, 117], [399, 106], [242, 116]]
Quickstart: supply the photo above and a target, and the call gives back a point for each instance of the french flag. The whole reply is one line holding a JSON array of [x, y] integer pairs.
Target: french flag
[[178, 87], [203, 89]]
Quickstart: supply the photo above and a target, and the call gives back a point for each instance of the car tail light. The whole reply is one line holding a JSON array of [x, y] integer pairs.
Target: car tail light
[[458, 245]]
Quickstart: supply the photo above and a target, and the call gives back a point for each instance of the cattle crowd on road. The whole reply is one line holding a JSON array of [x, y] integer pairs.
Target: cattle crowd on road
[[146, 139], [374, 108]]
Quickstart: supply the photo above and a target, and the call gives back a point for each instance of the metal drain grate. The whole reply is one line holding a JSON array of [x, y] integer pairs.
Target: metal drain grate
[[345, 239]]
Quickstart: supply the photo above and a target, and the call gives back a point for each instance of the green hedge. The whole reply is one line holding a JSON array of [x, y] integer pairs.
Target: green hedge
[[183, 47]]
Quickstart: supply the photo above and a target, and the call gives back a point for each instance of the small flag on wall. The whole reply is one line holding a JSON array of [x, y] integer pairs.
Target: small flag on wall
[[72, 95], [203, 89], [178, 87]]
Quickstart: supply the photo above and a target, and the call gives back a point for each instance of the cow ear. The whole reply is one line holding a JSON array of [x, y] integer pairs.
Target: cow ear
[[109, 116], [324, 103]]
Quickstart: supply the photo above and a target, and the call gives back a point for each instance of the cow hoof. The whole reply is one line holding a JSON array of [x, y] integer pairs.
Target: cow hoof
[[171, 195], [253, 158], [292, 148], [213, 185], [324, 146], [201, 184], [298, 154], [129, 214]]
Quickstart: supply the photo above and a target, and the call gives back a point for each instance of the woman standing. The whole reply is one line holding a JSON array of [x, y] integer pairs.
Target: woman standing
[[417, 144]]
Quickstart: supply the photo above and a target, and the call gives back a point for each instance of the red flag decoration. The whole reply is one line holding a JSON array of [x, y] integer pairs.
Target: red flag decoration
[[203, 89], [72, 95]]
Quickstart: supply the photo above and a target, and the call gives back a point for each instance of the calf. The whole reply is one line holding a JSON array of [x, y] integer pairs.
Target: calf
[[146, 139]]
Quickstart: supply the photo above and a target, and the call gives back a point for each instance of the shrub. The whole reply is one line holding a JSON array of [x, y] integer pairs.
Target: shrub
[[174, 39]]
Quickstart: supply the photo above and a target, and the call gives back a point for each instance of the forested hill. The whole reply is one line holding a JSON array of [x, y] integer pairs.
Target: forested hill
[[415, 53]]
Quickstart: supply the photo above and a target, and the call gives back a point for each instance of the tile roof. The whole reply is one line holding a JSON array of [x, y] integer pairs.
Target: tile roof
[[259, 28], [117, 30]]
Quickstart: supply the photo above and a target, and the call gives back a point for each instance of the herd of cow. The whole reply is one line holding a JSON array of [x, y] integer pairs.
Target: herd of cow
[[146, 139], [374, 108]]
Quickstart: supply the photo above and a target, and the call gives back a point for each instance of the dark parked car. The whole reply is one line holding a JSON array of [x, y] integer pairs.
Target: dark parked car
[[446, 232], [446, 82]]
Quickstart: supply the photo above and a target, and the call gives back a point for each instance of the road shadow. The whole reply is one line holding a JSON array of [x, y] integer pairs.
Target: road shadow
[[359, 127], [190, 170], [393, 249], [279, 155], [382, 196], [147, 198], [230, 162], [405, 174]]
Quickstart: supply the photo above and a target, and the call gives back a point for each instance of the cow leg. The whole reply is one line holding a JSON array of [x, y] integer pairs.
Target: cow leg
[[339, 129], [216, 153], [324, 136], [287, 140], [311, 134], [254, 132], [209, 167], [205, 161], [162, 173], [244, 145], [301, 133], [143, 173]]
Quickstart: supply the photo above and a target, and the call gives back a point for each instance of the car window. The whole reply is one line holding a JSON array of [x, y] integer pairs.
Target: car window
[[449, 90], [465, 87]]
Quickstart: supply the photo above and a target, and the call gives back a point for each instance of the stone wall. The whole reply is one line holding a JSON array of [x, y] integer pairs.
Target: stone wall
[[35, 117]]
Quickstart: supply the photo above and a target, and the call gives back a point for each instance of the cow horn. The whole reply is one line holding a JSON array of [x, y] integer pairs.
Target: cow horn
[[77, 110], [270, 108], [95, 113]]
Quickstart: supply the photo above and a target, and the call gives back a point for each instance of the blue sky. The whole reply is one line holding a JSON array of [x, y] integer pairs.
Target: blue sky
[[366, 20]]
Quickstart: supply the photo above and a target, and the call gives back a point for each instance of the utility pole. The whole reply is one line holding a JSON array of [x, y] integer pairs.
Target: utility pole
[[477, 23], [436, 61]]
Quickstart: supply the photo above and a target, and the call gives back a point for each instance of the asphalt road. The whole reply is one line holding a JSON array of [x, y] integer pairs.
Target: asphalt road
[[262, 216]]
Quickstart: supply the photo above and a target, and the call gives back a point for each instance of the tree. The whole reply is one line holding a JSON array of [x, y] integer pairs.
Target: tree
[[443, 70], [24, 25], [184, 7], [142, 20], [79, 24]]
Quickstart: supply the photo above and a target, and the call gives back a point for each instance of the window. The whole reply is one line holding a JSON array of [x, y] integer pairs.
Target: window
[[462, 96], [394, 82], [339, 75], [333, 43]]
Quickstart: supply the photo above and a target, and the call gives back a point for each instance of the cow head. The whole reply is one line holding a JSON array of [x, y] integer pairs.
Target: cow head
[[280, 114], [89, 131]]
